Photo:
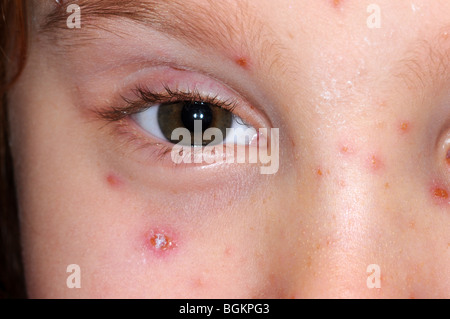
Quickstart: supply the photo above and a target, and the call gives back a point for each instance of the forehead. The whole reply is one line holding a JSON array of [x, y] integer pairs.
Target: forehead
[[321, 40]]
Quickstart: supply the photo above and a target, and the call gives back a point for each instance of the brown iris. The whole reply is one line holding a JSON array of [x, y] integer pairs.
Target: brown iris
[[183, 114]]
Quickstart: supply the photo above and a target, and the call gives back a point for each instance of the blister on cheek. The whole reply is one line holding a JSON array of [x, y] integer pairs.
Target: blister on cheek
[[160, 242]]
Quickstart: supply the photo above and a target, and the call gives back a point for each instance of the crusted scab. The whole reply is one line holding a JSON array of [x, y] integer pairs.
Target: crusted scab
[[161, 241], [440, 193]]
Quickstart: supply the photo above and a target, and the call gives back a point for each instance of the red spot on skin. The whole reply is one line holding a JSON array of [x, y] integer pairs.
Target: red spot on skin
[[346, 148], [440, 193], [319, 172], [376, 164], [404, 127], [228, 251], [113, 180], [336, 3], [160, 241], [199, 283], [242, 62], [448, 157]]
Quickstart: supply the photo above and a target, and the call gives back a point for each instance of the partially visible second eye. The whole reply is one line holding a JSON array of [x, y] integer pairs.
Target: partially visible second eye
[[162, 119]]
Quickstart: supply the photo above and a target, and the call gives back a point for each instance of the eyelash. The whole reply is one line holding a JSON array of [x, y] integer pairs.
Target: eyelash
[[146, 98]]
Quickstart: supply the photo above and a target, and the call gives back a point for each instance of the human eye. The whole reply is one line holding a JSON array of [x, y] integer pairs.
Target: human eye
[[212, 117], [163, 113]]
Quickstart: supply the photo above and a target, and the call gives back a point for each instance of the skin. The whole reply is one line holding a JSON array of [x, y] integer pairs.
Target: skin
[[362, 153]]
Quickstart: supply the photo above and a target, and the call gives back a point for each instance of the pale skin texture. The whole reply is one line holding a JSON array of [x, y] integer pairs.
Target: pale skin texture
[[363, 145]]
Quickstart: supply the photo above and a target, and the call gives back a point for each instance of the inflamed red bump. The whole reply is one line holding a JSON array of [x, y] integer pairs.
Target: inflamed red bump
[[375, 163], [160, 241], [439, 194], [113, 180], [242, 62]]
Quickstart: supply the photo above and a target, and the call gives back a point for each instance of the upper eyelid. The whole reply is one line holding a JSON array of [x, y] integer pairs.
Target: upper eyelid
[[185, 95], [146, 97]]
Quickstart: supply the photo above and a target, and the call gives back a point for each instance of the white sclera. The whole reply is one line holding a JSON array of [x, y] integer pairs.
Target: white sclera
[[148, 121]]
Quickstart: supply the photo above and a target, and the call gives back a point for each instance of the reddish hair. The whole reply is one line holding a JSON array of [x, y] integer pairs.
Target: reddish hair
[[13, 51]]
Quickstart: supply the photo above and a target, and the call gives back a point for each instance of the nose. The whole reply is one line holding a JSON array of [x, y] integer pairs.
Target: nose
[[349, 222]]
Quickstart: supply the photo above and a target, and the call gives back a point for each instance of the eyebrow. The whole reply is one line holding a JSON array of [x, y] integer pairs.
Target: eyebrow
[[226, 25]]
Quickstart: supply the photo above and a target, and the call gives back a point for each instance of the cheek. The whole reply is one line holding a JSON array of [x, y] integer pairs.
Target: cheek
[[160, 242], [153, 246]]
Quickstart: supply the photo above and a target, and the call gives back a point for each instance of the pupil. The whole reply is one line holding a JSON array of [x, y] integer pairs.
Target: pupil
[[193, 111]]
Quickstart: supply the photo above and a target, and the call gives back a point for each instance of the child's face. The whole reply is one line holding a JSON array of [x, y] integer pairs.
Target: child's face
[[363, 111]]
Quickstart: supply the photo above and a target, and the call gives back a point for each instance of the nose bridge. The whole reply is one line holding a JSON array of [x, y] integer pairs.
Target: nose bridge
[[346, 199]]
